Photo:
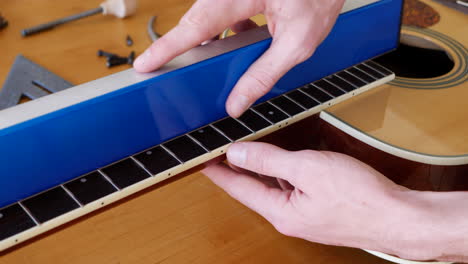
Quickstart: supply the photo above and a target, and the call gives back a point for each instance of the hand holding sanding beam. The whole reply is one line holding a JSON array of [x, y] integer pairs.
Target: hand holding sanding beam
[[118, 8]]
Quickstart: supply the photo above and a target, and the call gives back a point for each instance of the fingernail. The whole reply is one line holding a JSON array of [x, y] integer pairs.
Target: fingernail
[[142, 59], [239, 105], [237, 154]]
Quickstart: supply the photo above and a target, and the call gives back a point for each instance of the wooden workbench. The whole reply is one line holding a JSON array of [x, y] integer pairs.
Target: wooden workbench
[[189, 220]]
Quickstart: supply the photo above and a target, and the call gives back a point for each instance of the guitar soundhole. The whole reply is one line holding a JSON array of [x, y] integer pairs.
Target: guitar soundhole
[[416, 62]]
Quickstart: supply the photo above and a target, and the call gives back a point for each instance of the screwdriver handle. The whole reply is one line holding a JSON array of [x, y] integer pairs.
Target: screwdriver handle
[[50, 25]]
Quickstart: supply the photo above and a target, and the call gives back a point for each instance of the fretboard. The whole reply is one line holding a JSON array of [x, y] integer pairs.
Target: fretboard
[[70, 200]]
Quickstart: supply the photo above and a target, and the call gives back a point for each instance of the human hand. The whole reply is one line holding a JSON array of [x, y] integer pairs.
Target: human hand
[[325, 197], [297, 28]]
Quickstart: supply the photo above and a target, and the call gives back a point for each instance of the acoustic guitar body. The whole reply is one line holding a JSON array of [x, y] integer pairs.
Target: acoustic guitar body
[[413, 130]]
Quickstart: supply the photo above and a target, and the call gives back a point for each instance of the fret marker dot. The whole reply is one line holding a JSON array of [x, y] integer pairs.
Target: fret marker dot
[[271, 113], [201, 131], [83, 180], [149, 152], [1, 215]]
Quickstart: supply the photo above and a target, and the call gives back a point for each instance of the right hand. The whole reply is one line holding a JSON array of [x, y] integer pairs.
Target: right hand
[[297, 28]]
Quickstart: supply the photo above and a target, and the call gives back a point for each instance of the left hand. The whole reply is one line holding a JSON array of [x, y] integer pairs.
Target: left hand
[[323, 197]]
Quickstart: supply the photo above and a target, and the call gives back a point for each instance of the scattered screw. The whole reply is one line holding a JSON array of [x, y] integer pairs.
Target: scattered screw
[[115, 61], [131, 58], [129, 41], [102, 53], [3, 22]]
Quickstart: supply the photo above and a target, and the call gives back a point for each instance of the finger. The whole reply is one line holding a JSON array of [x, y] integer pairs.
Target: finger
[[266, 159], [204, 20], [263, 74], [271, 203]]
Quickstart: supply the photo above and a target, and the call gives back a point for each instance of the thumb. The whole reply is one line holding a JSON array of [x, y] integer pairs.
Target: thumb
[[266, 159]]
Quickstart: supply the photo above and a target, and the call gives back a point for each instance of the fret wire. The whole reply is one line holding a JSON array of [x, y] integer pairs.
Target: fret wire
[[29, 213], [295, 102], [71, 195], [220, 132], [323, 90], [270, 103], [141, 166], [258, 113], [171, 153], [368, 65], [346, 81], [366, 73], [366, 83], [108, 178], [242, 123], [316, 100], [335, 85], [198, 142]]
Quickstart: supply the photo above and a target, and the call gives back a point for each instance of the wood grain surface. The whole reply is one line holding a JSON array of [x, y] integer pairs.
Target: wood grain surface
[[189, 220]]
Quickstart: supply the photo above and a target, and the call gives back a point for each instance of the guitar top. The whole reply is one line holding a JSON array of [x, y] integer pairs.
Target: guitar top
[[425, 119]]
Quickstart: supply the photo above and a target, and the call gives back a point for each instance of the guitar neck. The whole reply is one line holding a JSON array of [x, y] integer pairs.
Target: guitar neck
[[70, 200]]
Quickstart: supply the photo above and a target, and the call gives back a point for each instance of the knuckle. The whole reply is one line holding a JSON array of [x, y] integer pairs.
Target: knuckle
[[191, 19], [311, 158], [302, 53], [258, 160], [263, 82]]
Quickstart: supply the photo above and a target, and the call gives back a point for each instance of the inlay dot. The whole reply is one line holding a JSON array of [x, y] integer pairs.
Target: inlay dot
[[149, 152], [83, 180], [271, 113]]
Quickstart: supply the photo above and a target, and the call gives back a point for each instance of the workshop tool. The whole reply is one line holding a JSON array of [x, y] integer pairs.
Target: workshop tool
[[150, 28], [28, 79], [3, 22], [118, 8]]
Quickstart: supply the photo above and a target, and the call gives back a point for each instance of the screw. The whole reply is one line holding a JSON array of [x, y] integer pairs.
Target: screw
[[115, 61], [131, 58], [102, 53], [129, 41]]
